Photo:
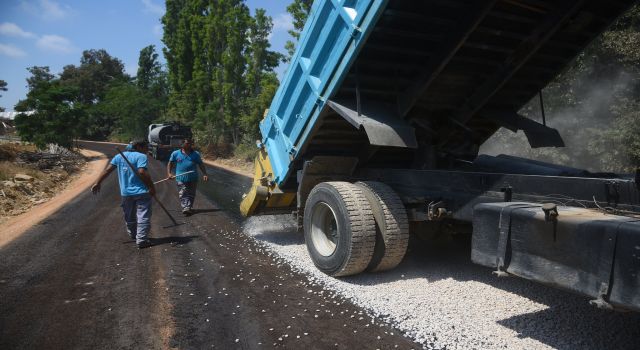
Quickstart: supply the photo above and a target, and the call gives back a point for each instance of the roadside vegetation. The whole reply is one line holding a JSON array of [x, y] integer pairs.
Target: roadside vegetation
[[95, 99], [3, 87]]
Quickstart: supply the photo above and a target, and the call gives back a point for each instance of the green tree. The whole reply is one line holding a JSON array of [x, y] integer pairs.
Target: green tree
[[149, 69], [135, 104], [3, 87], [97, 70], [261, 59], [234, 67], [299, 10], [184, 29], [38, 76], [56, 115], [261, 80], [220, 67], [257, 106], [95, 75], [133, 109]]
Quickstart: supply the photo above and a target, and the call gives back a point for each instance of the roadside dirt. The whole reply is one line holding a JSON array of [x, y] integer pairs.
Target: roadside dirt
[[74, 185], [233, 165]]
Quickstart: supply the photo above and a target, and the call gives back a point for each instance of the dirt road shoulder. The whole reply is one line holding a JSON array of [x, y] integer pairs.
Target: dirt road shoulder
[[17, 225], [231, 168]]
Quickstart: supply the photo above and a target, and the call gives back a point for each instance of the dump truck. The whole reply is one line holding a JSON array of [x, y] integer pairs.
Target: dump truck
[[164, 138], [374, 135]]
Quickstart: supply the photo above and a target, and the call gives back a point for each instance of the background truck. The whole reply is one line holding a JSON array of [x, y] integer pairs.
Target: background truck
[[165, 138], [374, 134]]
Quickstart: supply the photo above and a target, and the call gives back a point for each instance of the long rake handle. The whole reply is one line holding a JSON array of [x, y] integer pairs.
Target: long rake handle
[[173, 177], [140, 178]]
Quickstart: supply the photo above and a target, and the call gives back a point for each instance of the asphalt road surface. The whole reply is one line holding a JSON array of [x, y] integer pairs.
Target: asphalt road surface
[[76, 281]]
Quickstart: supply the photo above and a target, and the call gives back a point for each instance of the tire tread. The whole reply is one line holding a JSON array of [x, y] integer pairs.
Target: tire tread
[[362, 228], [396, 233]]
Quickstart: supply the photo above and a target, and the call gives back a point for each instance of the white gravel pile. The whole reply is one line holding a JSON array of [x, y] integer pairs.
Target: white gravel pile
[[441, 300]]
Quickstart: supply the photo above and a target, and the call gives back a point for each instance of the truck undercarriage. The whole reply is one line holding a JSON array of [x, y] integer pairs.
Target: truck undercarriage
[[378, 123]]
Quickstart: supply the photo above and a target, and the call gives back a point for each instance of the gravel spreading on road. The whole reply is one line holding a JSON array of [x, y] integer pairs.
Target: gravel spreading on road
[[437, 297]]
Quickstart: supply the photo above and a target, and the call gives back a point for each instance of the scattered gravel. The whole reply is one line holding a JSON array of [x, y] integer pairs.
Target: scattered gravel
[[437, 297]]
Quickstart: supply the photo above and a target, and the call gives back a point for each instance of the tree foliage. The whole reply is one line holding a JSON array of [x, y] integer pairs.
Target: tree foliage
[[55, 117], [135, 105], [151, 77], [95, 99], [299, 10], [219, 63], [3, 87], [97, 72], [133, 108]]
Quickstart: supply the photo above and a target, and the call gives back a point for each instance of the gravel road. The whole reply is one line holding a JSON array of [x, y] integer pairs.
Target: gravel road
[[440, 299]]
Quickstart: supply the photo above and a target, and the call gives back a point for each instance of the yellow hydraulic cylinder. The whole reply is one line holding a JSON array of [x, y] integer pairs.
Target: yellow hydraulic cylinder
[[264, 193]]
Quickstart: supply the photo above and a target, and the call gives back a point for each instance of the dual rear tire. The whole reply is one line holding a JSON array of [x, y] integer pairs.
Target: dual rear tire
[[350, 228]]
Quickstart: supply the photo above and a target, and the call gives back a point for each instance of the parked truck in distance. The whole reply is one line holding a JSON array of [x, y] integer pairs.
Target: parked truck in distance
[[165, 138], [374, 134]]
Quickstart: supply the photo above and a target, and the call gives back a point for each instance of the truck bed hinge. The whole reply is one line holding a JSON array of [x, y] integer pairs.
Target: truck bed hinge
[[355, 31]]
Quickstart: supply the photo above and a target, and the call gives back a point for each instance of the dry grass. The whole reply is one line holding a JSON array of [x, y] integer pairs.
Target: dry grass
[[16, 198], [10, 169], [9, 150]]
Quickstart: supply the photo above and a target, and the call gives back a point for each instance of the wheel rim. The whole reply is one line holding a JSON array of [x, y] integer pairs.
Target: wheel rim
[[324, 229]]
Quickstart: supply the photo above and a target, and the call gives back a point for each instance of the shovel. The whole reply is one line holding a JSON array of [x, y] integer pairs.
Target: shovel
[[175, 223]]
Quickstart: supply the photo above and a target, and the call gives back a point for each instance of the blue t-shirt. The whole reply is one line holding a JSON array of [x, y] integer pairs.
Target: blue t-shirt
[[185, 163], [130, 184]]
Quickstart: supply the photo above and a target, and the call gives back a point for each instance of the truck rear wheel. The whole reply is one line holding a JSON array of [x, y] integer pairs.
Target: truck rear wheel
[[339, 228], [392, 225]]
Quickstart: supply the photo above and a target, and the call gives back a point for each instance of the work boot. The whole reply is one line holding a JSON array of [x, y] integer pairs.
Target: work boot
[[144, 244], [132, 233], [186, 211]]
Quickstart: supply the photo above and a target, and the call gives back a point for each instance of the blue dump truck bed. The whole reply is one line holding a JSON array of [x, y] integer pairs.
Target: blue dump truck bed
[[421, 84]]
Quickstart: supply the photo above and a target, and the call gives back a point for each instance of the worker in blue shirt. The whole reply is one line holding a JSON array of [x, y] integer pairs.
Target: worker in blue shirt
[[136, 190], [186, 162]]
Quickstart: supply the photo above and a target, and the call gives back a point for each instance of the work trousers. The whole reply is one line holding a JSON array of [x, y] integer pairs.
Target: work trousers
[[137, 216], [187, 193]]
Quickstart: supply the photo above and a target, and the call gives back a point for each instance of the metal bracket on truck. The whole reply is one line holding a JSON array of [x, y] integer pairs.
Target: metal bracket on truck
[[380, 124]]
